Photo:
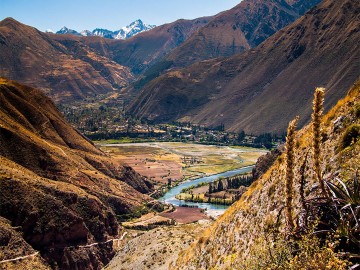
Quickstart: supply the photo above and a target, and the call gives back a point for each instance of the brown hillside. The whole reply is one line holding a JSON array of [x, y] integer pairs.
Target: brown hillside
[[65, 74], [239, 29], [262, 89], [143, 50], [227, 243], [12, 245], [230, 32], [70, 191]]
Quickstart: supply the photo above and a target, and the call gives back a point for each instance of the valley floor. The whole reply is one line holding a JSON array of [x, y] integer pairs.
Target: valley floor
[[160, 161]]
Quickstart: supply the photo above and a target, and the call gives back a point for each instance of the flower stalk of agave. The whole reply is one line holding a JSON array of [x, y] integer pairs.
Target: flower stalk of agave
[[289, 177], [318, 108]]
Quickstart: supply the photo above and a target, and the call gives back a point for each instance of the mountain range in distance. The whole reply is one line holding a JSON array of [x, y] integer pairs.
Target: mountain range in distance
[[125, 32], [211, 70]]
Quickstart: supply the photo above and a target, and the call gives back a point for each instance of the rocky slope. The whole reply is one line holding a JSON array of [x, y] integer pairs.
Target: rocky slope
[[262, 89], [58, 190], [161, 247], [264, 162], [227, 244], [65, 74], [13, 245]]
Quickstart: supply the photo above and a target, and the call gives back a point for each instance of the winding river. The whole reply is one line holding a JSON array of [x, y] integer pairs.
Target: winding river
[[169, 197]]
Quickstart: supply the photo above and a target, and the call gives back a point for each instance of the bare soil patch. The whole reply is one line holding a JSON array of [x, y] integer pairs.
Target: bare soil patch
[[186, 215]]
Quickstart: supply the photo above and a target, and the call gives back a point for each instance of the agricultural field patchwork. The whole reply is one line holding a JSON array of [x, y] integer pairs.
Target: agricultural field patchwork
[[161, 161]]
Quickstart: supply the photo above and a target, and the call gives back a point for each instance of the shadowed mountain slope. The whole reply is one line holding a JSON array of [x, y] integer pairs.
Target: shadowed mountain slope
[[262, 89], [71, 192], [65, 74]]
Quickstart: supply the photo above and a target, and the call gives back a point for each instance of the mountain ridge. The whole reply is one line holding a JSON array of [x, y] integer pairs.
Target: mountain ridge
[[144, 49], [70, 68], [134, 28], [228, 33], [250, 23], [34, 58], [249, 91]]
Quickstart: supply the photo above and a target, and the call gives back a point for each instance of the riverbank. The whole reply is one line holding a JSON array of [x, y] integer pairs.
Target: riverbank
[[213, 210], [224, 190]]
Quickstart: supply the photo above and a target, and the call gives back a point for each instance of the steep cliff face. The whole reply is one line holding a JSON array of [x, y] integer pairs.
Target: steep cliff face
[[227, 244], [58, 189]]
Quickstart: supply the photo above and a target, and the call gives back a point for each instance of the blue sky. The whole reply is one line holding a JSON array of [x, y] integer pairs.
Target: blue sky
[[110, 14]]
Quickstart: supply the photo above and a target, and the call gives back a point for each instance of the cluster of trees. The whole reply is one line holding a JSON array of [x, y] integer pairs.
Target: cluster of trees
[[233, 182], [267, 140], [190, 188], [107, 121], [92, 119], [117, 135]]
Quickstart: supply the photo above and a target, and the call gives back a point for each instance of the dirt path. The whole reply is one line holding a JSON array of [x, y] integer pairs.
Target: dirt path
[[20, 258], [115, 240]]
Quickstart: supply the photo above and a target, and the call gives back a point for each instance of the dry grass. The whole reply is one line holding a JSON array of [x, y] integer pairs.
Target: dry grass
[[159, 247], [228, 242]]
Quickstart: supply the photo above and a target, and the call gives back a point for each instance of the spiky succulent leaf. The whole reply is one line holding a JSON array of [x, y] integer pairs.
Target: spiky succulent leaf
[[338, 193]]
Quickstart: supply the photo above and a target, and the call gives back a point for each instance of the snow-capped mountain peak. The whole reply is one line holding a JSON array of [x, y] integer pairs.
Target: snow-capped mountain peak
[[132, 29], [66, 30], [126, 32], [85, 33]]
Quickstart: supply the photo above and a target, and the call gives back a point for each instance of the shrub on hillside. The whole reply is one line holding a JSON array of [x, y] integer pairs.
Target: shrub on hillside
[[351, 136]]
